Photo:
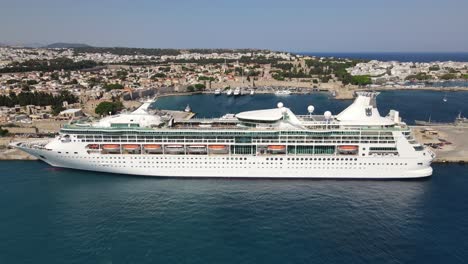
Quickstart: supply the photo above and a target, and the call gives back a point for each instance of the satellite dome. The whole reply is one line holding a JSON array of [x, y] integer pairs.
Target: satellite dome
[[280, 105], [310, 109], [327, 115]]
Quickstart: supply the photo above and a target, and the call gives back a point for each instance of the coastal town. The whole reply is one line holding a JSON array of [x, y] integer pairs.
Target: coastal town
[[43, 88]]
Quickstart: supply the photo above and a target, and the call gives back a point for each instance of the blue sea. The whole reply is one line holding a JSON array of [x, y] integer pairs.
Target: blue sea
[[396, 56], [51, 215], [412, 104]]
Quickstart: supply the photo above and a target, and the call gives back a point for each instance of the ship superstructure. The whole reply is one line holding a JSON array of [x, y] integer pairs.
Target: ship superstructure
[[272, 143]]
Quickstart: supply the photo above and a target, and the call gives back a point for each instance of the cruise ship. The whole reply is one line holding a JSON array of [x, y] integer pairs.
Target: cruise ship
[[267, 143]]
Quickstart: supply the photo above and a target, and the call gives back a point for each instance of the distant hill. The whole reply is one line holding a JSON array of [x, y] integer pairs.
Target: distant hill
[[61, 45]]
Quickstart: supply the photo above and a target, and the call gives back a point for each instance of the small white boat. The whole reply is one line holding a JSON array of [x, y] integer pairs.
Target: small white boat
[[188, 109], [282, 92], [237, 91], [252, 92], [217, 91], [445, 98], [229, 92]]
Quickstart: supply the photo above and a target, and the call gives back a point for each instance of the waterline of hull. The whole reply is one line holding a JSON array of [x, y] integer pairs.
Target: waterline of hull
[[176, 166]]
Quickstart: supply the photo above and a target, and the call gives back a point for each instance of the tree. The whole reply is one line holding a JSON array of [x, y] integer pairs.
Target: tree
[[190, 89], [199, 86], [448, 76], [361, 80], [3, 132], [57, 108], [104, 108], [113, 86]]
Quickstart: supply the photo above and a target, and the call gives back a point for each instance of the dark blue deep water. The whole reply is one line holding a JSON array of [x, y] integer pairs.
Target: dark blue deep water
[[419, 105], [66, 216], [52, 215], [396, 56]]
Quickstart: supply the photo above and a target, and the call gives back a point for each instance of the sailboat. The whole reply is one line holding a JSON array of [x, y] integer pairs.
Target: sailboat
[[445, 98]]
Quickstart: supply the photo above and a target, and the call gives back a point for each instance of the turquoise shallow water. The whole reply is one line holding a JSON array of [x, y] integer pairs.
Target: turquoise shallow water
[[66, 216]]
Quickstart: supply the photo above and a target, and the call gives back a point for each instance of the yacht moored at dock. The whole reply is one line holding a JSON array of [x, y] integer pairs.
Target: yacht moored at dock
[[268, 143], [282, 93]]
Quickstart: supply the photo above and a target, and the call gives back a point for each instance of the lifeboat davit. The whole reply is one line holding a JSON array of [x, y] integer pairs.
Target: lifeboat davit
[[112, 147], [131, 146]]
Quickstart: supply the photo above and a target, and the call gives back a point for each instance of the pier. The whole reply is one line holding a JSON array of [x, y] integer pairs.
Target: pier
[[449, 142]]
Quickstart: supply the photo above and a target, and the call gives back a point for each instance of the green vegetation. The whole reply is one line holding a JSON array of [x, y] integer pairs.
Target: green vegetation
[[158, 75], [12, 81], [104, 108], [464, 76], [48, 65], [37, 98], [361, 80], [199, 87], [336, 66], [283, 66], [93, 81], [113, 86], [31, 82], [121, 74], [279, 76], [57, 108], [205, 78], [419, 76], [3, 132], [448, 76], [434, 68]]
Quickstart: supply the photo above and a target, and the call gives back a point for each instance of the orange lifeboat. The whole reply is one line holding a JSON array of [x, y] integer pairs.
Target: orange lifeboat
[[152, 147], [111, 147], [131, 146], [217, 147], [277, 147], [348, 148]]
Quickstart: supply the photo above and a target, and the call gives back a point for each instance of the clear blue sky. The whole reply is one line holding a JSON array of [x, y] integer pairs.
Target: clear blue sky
[[293, 25]]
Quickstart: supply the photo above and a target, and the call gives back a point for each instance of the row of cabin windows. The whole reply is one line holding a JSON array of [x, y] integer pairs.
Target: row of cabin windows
[[244, 158]]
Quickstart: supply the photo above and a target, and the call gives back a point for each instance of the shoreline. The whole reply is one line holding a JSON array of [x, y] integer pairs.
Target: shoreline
[[340, 94]]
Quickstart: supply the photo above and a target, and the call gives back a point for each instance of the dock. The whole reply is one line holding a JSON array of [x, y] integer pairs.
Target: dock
[[449, 142]]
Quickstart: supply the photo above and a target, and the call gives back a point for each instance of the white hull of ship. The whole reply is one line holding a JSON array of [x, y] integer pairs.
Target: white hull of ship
[[238, 166]]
